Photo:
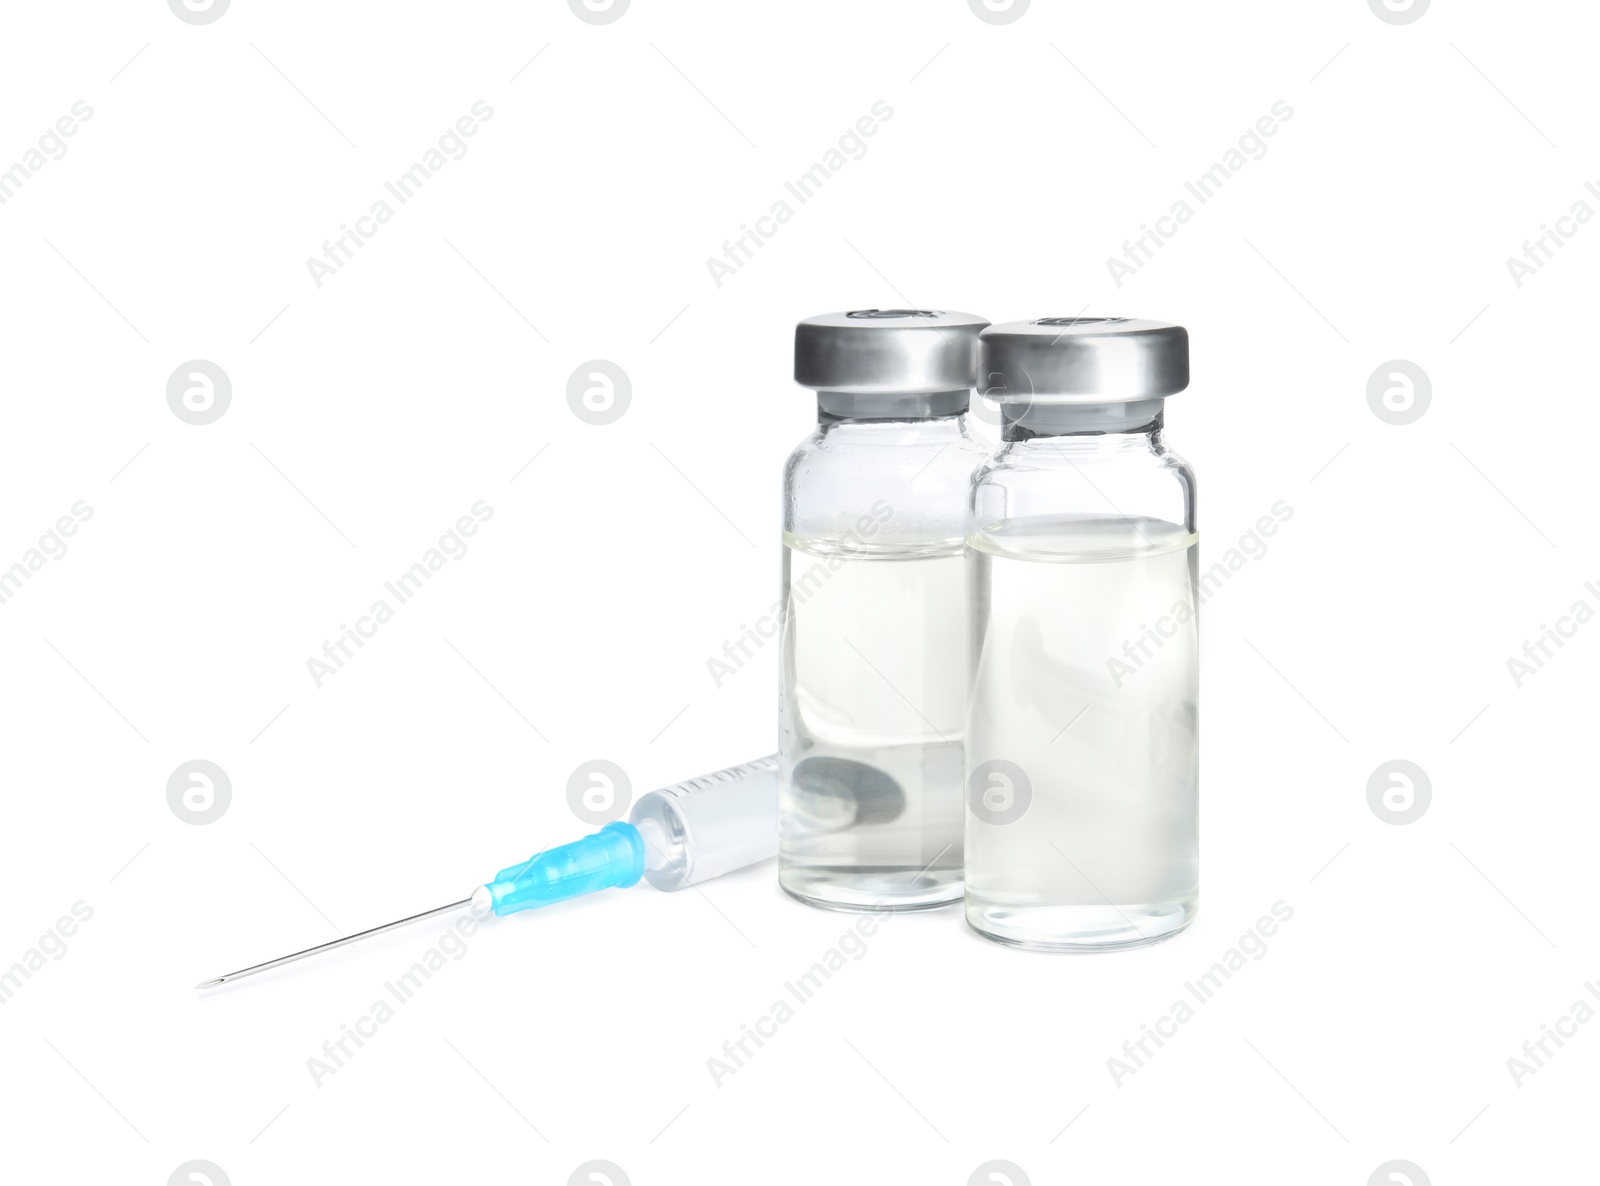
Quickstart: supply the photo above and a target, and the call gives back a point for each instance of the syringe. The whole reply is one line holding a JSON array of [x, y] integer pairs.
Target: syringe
[[676, 837]]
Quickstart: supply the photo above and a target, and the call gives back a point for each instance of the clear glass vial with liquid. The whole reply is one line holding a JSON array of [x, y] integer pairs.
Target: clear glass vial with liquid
[[874, 612], [1081, 734]]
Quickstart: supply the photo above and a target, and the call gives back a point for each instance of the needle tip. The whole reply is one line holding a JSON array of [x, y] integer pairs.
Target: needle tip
[[211, 983]]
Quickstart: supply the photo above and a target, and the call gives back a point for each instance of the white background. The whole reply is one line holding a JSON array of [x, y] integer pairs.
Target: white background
[[369, 413]]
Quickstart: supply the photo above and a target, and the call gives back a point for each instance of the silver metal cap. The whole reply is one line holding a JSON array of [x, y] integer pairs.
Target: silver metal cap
[[1082, 360], [887, 351]]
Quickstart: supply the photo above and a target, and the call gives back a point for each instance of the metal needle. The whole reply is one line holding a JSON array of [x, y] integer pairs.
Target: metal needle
[[300, 955]]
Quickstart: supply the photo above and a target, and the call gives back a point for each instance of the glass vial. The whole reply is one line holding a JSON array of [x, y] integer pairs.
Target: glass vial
[[1082, 808], [874, 612]]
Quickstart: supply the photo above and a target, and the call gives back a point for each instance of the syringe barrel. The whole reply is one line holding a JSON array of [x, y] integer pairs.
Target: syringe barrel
[[711, 825]]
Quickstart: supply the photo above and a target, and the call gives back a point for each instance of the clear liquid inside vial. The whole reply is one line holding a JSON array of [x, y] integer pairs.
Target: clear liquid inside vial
[[1085, 680], [874, 689]]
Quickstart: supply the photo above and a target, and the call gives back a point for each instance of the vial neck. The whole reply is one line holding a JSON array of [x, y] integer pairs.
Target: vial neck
[[836, 406], [1134, 423]]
